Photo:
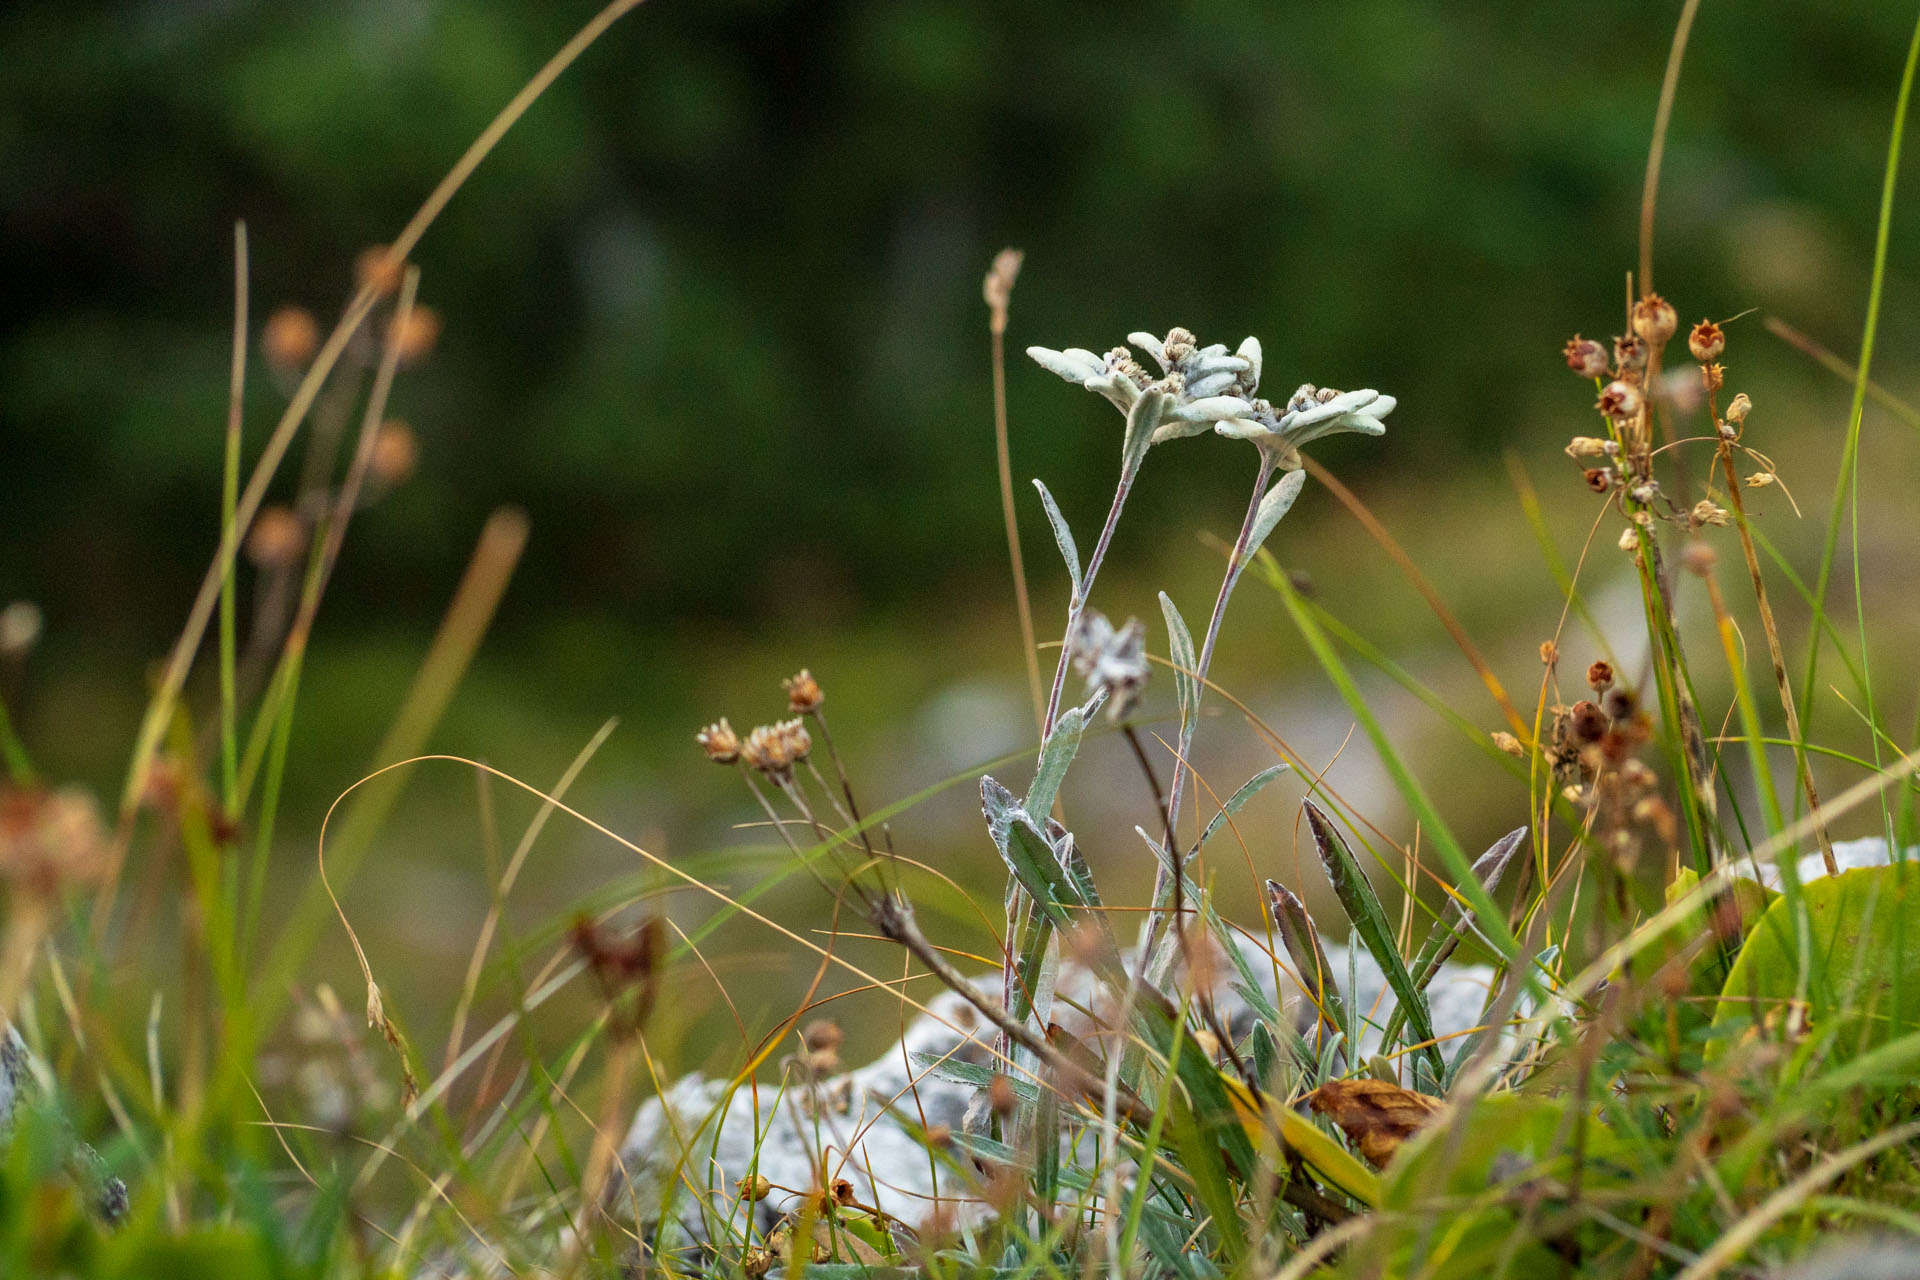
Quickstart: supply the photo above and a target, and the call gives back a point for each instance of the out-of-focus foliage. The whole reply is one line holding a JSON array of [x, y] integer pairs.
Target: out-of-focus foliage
[[713, 308]]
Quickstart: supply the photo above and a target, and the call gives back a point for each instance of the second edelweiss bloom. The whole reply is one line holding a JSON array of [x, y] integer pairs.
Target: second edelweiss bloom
[[1110, 659], [1311, 413]]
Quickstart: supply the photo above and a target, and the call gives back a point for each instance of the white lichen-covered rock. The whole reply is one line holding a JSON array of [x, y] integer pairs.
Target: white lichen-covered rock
[[689, 1148]]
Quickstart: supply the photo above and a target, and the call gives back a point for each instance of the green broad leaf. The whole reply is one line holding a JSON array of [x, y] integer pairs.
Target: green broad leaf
[[1142, 421], [1056, 755], [1274, 504], [971, 1074], [1479, 1162], [1853, 957], [1062, 537], [1369, 919], [1028, 855]]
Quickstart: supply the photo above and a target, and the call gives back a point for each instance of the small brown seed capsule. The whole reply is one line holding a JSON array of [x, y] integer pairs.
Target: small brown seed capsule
[[1706, 342], [1619, 400], [719, 741], [1654, 319], [1585, 724], [1600, 676], [1619, 703], [1585, 357], [275, 539], [1509, 744], [379, 268], [1738, 410], [1599, 479], [756, 1188], [290, 338], [1706, 512], [1629, 353], [1000, 1095], [1714, 376], [395, 452], [416, 337], [1549, 653], [1699, 558]]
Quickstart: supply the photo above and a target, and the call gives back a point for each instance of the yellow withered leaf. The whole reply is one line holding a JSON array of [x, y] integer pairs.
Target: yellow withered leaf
[[1375, 1115]]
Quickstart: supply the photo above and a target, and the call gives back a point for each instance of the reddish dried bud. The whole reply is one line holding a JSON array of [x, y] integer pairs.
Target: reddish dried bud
[[1629, 353], [416, 336], [1599, 479], [377, 267], [1585, 357], [1619, 703], [395, 452], [290, 338], [1585, 724], [1698, 559], [1654, 319], [1620, 401], [275, 538], [1706, 342], [1600, 676]]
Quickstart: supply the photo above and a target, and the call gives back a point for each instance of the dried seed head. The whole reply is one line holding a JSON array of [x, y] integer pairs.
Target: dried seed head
[[1629, 353], [719, 741], [821, 1033], [416, 336], [395, 452], [1761, 479], [1509, 744], [1699, 558], [275, 538], [1629, 539], [1619, 703], [1599, 479], [1738, 410], [756, 1188], [20, 624], [1600, 676], [1585, 357], [773, 748], [1714, 376], [1654, 319], [51, 839], [1586, 724], [1619, 400], [1592, 447], [803, 693], [1549, 653], [1706, 342], [377, 267], [290, 338], [1707, 512]]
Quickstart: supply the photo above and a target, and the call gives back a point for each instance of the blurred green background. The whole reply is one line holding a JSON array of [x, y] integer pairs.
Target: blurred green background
[[713, 319]]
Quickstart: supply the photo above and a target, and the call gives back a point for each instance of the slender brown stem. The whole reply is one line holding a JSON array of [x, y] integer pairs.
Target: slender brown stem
[[998, 289]]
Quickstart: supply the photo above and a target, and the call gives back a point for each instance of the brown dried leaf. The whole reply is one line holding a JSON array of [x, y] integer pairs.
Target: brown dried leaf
[[1375, 1115]]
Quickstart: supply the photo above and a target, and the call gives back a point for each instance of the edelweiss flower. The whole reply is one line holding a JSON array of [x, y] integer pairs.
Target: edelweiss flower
[[1114, 660], [1196, 380], [1313, 412]]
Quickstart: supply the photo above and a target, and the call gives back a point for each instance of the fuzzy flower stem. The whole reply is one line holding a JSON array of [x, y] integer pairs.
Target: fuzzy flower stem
[[1236, 562], [1079, 603]]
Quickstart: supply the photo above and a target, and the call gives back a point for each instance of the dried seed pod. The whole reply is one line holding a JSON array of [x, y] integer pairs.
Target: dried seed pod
[[1707, 512], [1508, 743], [1600, 675], [1586, 724], [395, 453], [1598, 479], [1620, 400], [1585, 357], [1706, 342], [1629, 353], [1698, 558], [1592, 447], [376, 266], [1619, 703], [1654, 319], [275, 538], [416, 337], [1737, 411], [290, 338]]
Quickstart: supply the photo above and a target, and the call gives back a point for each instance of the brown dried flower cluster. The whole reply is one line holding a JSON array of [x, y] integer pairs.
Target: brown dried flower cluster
[[51, 839], [775, 748], [804, 695], [719, 741]]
